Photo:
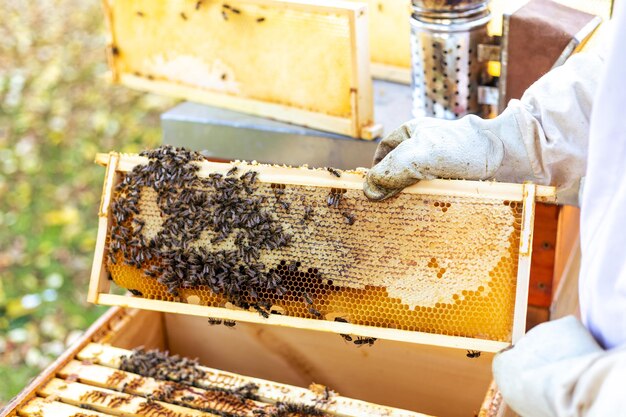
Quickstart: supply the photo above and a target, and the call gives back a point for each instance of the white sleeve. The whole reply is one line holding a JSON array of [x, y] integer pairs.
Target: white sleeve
[[558, 370], [552, 119]]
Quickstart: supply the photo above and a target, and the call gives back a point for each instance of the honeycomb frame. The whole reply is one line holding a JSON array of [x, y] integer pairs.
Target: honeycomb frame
[[218, 73], [524, 197]]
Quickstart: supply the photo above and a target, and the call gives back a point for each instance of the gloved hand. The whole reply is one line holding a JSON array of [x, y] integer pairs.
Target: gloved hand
[[540, 138], [559, 370]]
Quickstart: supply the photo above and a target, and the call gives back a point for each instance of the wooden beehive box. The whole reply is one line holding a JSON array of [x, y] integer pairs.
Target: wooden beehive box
[[444, 263], [298, 61], [430, 380]]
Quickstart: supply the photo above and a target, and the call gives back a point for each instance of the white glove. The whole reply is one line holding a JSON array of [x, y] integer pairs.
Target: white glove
[[558, 370], [540, 138]]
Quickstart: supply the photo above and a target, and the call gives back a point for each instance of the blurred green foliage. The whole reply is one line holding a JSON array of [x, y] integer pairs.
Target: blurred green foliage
[[56, 111]]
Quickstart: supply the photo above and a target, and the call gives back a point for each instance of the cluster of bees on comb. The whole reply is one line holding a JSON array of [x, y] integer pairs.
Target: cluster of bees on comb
[[243, 400], [225, 207], [229, 209]]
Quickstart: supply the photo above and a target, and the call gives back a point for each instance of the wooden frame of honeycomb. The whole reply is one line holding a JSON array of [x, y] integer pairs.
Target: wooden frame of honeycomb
[[474, 305], [235, 55]]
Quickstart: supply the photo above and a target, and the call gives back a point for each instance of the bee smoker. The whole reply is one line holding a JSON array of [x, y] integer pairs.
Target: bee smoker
[[446, 73]]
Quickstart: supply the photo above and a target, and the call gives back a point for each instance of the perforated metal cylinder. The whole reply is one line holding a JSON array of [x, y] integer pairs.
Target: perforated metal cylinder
[[446, 72]]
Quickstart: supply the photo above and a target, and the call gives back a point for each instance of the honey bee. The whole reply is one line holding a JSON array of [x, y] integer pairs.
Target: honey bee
[[473, 354], [365, 341], [346, 337]]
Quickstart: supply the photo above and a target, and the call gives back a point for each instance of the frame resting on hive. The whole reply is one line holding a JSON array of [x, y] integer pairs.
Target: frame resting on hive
[[318, 76], [444, 263]]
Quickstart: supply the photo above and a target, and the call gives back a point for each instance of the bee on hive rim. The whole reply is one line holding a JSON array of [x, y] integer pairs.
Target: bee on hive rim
[[334, 172], [346, 337], [365, 341], [473, 354], [261, 311], [230, 323], [232, 171], [322, 391]]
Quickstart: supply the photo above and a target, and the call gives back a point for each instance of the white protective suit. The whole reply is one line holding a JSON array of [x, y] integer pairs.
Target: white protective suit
[[558, 368]]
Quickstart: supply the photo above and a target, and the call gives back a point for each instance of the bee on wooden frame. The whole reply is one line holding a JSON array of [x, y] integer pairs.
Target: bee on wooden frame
[[472, 354], [365, 341]]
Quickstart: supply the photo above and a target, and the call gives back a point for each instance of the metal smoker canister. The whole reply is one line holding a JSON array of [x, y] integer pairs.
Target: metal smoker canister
[[444, 41]]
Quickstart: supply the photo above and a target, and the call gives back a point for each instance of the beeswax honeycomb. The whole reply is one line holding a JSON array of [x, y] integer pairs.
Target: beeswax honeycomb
[[416, 262]]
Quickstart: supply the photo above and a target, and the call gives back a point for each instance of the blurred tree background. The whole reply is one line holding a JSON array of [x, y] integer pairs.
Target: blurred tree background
[[56, 111]]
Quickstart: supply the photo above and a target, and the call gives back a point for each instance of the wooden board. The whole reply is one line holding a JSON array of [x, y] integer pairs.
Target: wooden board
[[428, 379], [324, 179], [39, 407], [99, 330], [542, 270], [236, 55]]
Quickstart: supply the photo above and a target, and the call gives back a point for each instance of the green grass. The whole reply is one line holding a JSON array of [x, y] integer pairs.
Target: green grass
[[56, 112]]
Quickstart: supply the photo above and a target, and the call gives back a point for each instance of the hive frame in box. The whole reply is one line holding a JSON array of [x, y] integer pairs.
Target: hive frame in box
[[129, 328], [360, 122], [99, 286]]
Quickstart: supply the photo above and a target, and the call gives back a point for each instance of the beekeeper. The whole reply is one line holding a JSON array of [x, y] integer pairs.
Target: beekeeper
[[570, 124]]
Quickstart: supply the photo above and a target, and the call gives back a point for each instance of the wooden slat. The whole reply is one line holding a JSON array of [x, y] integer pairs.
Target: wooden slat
[[113, 402], [98, 282], [99, 328], [270, 392], [40, 407], [353, 180], [299, 323], [115, 379], [523, 267], [543, 261]]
